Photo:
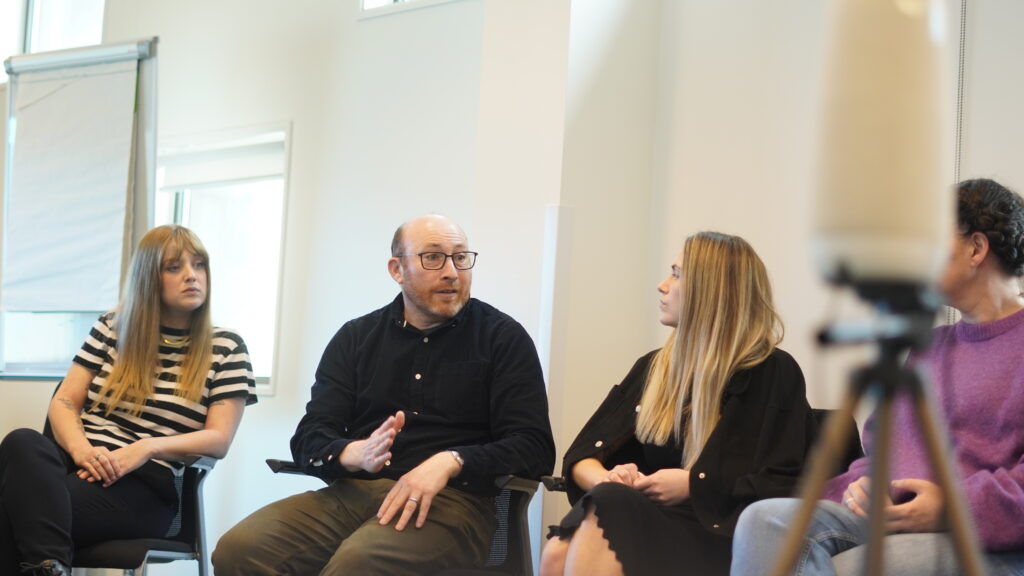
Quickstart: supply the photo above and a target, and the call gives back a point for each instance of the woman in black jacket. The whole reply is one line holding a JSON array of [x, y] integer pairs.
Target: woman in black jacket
[[714, 420]]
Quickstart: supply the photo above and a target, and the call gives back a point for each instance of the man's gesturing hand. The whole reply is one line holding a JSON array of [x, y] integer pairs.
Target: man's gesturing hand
[[374, 452]]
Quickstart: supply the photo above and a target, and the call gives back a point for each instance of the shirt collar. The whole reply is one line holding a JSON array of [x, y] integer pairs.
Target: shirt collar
[[397, 310]]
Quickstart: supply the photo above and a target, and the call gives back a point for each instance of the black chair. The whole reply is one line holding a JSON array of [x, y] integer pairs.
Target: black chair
[[186, 539], [853, 450], [510, 553]]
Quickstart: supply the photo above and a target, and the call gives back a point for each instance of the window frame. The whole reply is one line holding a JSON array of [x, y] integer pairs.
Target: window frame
[[237, 139], [397, 7]]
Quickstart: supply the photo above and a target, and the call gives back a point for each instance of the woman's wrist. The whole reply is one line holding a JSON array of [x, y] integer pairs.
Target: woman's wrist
[[588, 472], [150, 447], [79, 450]]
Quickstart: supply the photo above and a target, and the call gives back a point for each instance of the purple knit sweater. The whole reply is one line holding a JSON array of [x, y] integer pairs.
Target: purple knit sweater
[[977, 376]]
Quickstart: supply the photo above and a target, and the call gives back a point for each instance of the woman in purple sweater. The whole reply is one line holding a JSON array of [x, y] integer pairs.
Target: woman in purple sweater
[[977, 373]]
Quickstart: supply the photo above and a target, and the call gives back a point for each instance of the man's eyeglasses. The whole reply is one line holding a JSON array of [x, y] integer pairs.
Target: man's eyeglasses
[[436, 260]]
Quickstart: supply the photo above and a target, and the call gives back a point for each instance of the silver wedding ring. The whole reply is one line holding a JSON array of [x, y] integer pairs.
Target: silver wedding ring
[[416, 500]]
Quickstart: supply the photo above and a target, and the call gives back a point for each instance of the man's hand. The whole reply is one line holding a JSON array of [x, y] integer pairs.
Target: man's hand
[[668, 486], [623, 474], [416, 489], [925, 513], [373, 453]]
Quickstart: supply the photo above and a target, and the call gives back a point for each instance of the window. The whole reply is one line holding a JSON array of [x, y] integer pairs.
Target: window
[[62, 267], [42, 343], [59, 24], [230, 190], [382, 7], [12, 31], [371, 4]]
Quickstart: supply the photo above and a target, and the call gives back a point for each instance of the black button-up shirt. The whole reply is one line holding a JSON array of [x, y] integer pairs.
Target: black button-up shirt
[[473, 384]]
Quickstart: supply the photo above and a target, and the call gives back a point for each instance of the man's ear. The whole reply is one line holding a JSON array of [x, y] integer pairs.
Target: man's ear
[[395, 269]]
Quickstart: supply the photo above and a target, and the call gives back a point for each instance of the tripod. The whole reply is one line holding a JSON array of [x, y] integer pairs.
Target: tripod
[[884, 379]]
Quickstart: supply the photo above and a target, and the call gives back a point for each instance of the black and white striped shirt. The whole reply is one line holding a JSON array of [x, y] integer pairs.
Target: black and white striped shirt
[[165, 413]]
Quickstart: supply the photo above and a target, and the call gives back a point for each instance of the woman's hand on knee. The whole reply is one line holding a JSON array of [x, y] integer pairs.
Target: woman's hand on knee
[[668, 486], [622, 474], [857, 496], [926, 512], [97, 465]]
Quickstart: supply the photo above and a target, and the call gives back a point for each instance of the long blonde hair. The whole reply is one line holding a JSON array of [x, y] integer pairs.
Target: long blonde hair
[[727, 322], [137, 324]]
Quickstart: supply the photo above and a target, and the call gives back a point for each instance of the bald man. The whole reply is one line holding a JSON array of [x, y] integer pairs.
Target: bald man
[[415, 408]]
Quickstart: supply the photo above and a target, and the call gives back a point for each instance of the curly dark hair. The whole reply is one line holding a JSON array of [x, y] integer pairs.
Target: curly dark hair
[[988, 207]]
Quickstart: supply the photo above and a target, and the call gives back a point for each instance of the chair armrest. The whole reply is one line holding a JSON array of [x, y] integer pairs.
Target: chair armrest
[[285, 467], [198, 461], [553, 483], [516, 483], [502, 481]]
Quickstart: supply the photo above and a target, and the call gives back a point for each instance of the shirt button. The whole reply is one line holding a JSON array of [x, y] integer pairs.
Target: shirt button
[[425, 339], [701, 475], [598, 444], [637, 408], [714, 525], [418, 376], [415, 412]]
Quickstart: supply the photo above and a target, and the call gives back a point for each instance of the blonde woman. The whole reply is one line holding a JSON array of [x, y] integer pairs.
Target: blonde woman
[[153, 381], [714, 420]]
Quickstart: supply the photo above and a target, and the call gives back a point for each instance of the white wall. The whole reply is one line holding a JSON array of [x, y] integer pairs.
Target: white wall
[[518, 173], [606, 316], [993, 132], [736, 152]]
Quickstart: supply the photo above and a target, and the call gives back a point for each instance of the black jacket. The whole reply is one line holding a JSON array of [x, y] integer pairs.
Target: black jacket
[[756, 451]]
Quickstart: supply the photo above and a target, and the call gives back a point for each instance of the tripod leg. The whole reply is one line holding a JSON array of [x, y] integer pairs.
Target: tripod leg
[[879, 481], [957, 518], [820, 466]]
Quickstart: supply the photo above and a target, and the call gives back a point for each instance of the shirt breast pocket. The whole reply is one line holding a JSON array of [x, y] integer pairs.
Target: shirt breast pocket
[[462, 393]]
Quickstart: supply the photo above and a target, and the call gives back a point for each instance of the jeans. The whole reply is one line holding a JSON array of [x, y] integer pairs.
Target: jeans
[[836, 544]]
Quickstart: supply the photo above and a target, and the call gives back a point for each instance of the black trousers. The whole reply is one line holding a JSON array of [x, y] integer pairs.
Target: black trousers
[[46, 510]]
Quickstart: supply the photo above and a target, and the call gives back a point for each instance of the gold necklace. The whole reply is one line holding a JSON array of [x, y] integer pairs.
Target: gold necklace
[[176, 343]]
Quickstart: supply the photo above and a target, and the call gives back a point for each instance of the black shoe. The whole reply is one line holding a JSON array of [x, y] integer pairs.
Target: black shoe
[[46, 568]]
